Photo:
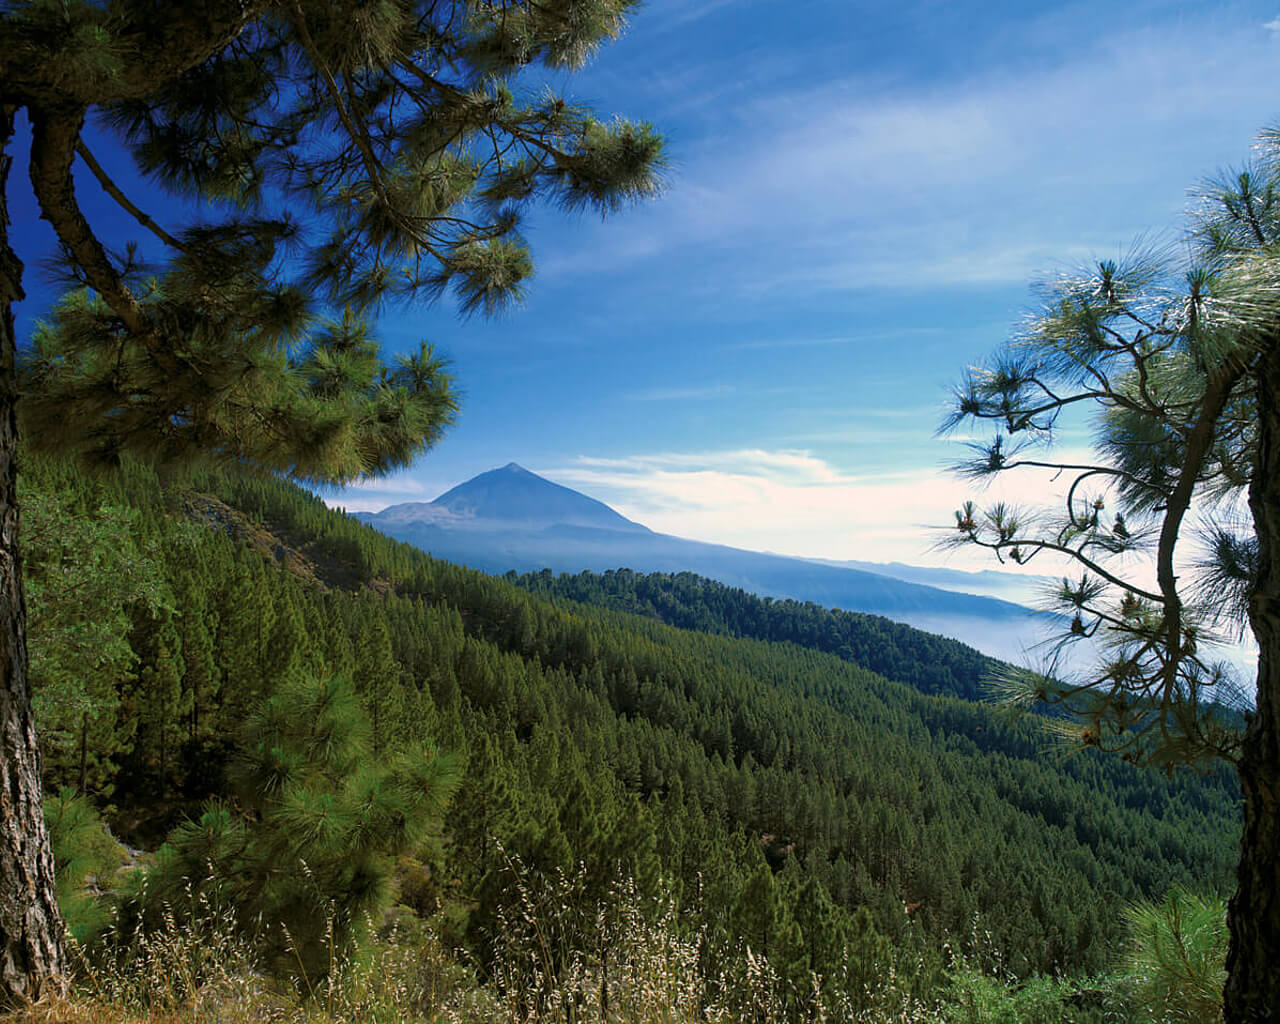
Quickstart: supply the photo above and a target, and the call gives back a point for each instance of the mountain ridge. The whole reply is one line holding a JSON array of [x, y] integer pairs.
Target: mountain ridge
[[510, 519]]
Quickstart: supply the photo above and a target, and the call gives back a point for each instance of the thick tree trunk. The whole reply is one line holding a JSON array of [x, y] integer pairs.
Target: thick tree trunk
[[1253, 961], [31, 960]]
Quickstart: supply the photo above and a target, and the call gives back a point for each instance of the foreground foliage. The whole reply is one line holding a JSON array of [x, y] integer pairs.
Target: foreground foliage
[[303, 845], [644, 965], [1175, 960], [1177, 362]]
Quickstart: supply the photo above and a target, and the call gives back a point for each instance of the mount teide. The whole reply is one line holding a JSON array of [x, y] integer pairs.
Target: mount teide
[[512, 519], [503, 500]]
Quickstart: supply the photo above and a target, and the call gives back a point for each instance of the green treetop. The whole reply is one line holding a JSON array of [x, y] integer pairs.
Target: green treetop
[[342, 155]]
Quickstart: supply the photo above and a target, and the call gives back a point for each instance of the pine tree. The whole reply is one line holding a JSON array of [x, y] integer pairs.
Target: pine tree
[[86, 573], [759, 913], [1181, 364], [635, 848], [162, 703], [398, 128], [305, 852], [377, 679], [866, 959], [200, 678], [244, 627]]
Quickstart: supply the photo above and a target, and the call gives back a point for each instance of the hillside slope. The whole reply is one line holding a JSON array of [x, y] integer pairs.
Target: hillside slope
[[931, 663], [739, 770]]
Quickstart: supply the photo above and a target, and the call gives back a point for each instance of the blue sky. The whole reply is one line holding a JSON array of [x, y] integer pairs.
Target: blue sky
[[860, 195]]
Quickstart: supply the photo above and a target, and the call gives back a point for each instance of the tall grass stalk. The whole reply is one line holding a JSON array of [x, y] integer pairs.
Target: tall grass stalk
[[622, 958]]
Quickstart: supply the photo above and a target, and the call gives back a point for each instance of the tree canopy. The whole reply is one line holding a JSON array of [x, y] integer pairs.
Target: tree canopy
[[1172, 526], [343, 156], [336, 156]]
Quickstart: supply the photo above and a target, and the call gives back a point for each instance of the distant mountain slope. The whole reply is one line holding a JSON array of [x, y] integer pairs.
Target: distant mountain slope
[[930, 663], [511, 519], [1020, 588], [506, 499]]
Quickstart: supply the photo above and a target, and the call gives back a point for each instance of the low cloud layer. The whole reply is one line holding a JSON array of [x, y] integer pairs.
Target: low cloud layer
[[793, 502]]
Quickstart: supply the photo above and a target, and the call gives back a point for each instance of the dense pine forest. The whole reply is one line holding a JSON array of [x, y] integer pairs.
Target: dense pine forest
[[931, 663], [277, 710]]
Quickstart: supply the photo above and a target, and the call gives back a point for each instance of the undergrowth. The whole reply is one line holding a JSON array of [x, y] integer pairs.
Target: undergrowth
[[641, 965]]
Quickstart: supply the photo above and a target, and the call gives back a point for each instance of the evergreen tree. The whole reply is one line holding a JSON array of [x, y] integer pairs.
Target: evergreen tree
[[1181, 363], [866, 958], [397, 127], [759, 913], [200, 678], [245, 618], [487, 808], [304, 852], [87, 573], [377, 678], [635, 848], [161, 700]]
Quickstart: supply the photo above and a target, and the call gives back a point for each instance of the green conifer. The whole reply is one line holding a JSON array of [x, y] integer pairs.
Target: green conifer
[[307, 856], [400, 135]]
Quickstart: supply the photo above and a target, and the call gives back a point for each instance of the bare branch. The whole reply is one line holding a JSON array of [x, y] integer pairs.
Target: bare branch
[[999, 546], [53, 148]]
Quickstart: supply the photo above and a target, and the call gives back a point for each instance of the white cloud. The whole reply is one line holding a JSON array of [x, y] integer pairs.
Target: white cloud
[[1273, 25], [957, 183], [793, 502], [373, 495]]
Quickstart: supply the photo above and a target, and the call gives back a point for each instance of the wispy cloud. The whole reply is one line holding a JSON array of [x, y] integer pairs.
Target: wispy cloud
[[376, 494], [685, 12], [977, 182], [764, 344], [792, 502], [832, 341], [681, 394]]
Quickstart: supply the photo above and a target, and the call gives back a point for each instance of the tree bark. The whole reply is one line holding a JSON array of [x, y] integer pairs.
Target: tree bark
[[31, 956], [1253, 960]]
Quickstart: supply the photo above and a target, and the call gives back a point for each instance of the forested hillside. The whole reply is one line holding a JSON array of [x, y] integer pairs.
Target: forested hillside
[[931, 663], [792, 799]]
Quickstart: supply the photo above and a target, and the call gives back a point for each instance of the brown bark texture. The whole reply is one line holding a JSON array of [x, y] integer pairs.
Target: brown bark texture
[[31, 955], [1253, 960]]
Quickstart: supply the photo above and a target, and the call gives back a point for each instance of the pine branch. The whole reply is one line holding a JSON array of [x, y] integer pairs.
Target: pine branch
[[53, 147], [162, 42], [123, 201], [999, 546], [356, 131], [1199, 446]]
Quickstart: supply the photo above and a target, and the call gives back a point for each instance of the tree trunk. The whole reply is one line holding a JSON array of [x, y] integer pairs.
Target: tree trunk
[[31, 960], [1253, 960]]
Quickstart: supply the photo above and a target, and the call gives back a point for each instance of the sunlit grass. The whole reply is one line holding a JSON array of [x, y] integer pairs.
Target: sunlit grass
[[644, 966]]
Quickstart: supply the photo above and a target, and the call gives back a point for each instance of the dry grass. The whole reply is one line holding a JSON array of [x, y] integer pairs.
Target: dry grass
[[91, 1011], [627, 961]]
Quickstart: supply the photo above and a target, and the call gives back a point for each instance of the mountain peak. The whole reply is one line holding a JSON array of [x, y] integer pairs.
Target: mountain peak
[[512, 497]]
